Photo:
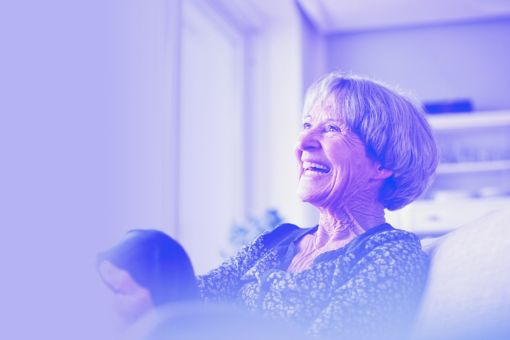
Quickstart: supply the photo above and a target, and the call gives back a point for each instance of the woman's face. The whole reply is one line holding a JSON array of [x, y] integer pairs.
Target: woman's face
[[333, 165], [130, 300]]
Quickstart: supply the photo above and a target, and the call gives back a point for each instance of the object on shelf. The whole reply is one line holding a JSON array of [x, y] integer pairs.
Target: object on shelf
[[448, 106], [446, 123]]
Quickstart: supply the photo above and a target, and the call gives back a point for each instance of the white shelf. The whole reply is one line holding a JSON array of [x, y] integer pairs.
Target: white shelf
[[439, 216], [472, 167], [479, 119], [464, 191]]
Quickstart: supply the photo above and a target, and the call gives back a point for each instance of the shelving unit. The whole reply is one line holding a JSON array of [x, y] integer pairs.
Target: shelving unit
[[473, 177], [473, 167], [477, 120], [475, 152]]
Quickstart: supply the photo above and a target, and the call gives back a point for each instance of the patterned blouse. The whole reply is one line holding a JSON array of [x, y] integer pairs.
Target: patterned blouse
[[367, 288]]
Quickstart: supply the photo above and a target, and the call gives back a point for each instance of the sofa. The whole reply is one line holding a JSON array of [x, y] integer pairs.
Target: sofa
[[468, 291]]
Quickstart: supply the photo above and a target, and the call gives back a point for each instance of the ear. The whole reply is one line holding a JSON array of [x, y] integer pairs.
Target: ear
[[381, 173]]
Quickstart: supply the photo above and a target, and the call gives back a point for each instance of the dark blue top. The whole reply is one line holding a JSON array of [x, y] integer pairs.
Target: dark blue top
[[367, 288]]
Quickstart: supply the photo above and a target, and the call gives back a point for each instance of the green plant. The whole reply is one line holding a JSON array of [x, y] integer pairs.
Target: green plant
[[242, 234]]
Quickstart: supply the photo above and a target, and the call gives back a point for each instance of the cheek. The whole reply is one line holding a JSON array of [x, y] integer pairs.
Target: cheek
[[350, 170], [340, 160], [298, 152], [348, 156]]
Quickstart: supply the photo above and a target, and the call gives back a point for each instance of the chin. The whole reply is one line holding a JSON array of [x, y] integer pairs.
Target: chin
[[308, 196]]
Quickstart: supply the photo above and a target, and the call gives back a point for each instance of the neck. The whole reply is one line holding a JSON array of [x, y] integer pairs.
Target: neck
[[346, 222]]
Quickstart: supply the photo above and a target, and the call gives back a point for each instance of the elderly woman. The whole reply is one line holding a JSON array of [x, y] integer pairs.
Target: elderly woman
[[363, 148]]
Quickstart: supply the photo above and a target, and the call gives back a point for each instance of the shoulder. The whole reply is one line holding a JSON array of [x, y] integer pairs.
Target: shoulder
[[389, 236], [282, 233], [391, 257], [393, 247]]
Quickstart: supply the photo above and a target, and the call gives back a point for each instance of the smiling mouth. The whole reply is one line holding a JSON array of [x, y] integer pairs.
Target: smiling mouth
[[315, 168]]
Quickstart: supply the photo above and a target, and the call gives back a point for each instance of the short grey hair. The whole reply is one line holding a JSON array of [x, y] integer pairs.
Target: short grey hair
[[393, 129]]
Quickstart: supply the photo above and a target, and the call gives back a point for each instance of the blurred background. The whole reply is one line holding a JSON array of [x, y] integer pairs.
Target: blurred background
[[183, 115]]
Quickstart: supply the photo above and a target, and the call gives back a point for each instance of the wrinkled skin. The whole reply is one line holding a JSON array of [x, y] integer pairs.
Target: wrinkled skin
[[339, 179]]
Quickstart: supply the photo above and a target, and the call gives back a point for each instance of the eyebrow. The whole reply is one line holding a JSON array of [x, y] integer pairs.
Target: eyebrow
[[336, 120]]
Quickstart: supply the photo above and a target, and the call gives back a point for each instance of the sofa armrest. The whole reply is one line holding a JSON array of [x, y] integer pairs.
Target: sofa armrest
[[468, 289]]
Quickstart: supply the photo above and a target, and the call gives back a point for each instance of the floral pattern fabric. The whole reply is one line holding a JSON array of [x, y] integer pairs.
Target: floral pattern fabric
[[366, 289]]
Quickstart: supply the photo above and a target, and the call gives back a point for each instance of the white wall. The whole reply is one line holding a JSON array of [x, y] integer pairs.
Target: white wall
[[282, 56], [468, 60], [87, 96], [278, 71], [211, 135], [145, 134], [313, 52]]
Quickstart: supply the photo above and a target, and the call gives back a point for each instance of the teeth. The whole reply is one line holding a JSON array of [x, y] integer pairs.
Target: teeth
[[309, 166]]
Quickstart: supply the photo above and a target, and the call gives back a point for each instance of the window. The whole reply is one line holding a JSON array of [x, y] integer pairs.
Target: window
[[211, 169]]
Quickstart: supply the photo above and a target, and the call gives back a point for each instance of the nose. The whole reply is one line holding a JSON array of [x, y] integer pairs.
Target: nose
[[308, 141]]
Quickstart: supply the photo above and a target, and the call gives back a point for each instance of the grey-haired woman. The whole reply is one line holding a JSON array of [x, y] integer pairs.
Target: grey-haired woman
[[363, 148]]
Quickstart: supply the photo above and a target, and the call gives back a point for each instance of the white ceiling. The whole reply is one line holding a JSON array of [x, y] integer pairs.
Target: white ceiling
[[334, 16]]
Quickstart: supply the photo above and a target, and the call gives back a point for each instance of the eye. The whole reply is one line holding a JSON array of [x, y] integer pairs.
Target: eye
[[307, 126], [332, 128]]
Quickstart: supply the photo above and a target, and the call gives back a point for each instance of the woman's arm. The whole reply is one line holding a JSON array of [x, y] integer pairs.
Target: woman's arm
[[380, 296]]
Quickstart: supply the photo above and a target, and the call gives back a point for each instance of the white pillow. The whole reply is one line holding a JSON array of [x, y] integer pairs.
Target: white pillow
[[468, 290]]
